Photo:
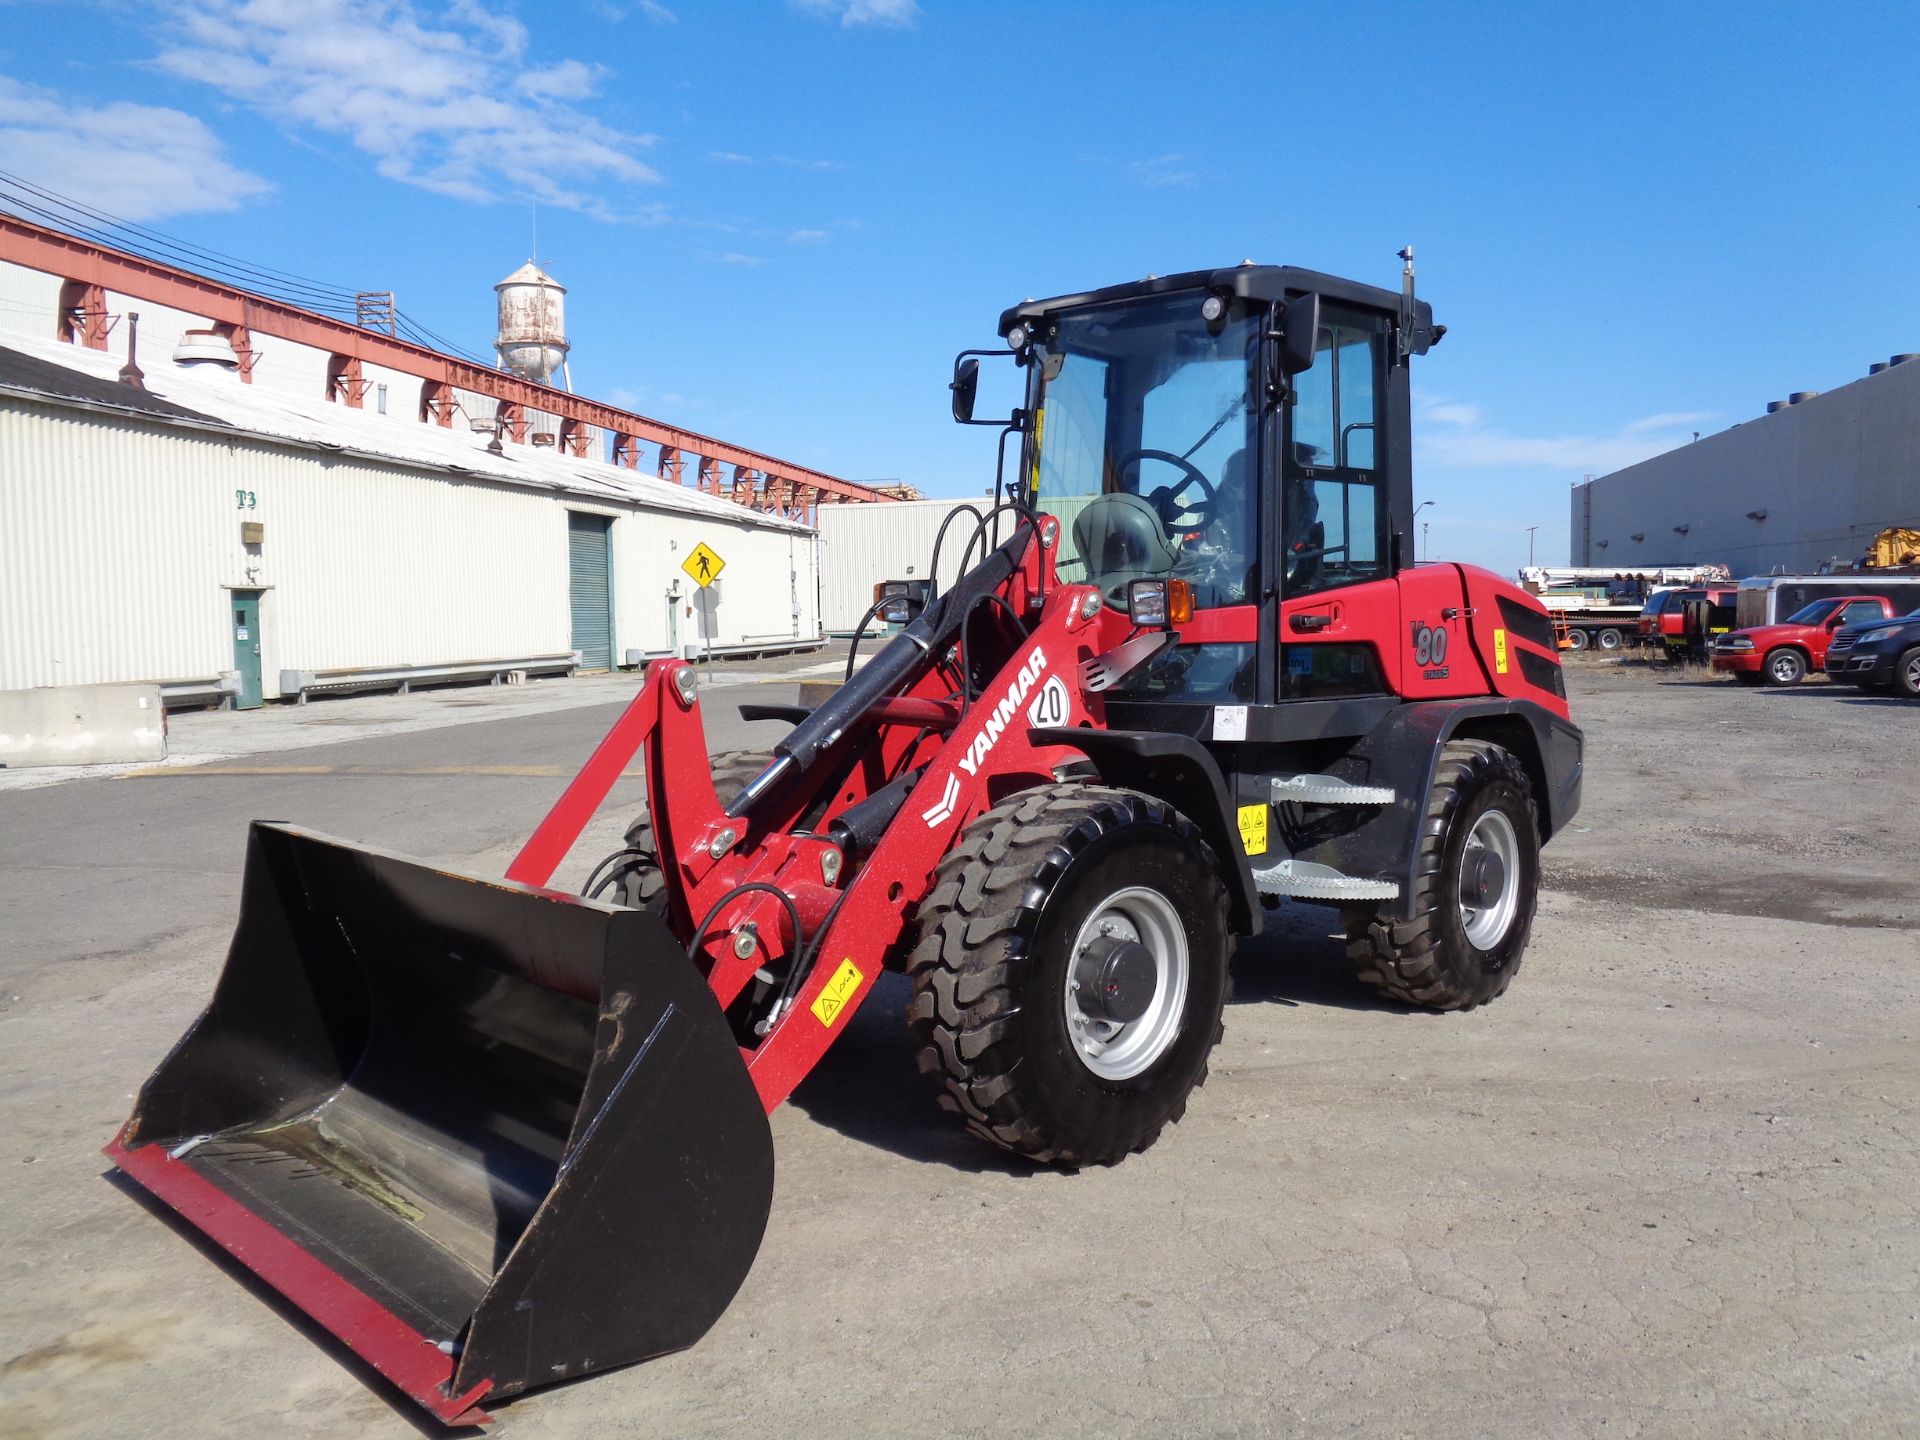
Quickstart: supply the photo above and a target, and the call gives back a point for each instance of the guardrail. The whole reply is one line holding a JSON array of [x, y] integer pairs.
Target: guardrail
[[402, 678]]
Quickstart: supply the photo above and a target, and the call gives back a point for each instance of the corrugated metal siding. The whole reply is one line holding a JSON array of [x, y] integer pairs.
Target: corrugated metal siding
[[764, 571], [589, 588], [29, 302], [117, 536], [864, 544]]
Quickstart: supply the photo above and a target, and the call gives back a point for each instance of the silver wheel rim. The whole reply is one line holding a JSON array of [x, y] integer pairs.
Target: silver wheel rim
[[1121, 1051], [1786, 669], [1913, 673], [1487, 925], [1609, 639]]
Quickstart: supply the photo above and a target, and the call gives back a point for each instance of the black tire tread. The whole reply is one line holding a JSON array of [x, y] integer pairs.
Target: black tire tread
[[986, 896], [1401, 961], [642, 886]]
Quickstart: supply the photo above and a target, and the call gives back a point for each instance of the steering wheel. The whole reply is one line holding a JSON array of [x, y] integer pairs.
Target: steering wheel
[[1165, 498]]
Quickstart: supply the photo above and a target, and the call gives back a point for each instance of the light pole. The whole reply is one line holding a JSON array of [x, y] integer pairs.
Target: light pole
[[1530, 530], [1423, 526]]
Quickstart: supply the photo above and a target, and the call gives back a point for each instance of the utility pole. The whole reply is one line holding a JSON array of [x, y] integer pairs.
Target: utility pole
[[1426, 551], [1530, 530]]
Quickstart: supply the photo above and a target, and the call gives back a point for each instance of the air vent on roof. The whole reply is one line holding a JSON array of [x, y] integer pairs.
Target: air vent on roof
[[1902, 359], [1876, 367], [206, 350], [1773, 405], [1800, 397]]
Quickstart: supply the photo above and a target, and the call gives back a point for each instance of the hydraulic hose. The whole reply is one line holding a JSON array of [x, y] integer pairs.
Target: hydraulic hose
[[899, 661]]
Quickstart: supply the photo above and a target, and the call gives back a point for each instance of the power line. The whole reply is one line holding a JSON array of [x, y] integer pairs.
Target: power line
[[23, 197], [103, 226]]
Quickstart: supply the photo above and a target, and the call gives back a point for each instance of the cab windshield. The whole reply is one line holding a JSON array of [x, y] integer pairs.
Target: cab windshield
[[1144, 445]]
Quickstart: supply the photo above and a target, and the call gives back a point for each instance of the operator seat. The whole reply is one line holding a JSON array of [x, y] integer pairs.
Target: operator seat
[[1121, 539]]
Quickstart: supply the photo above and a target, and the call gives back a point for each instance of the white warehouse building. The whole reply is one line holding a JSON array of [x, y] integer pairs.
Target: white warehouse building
[[258, 517], [203, 536]]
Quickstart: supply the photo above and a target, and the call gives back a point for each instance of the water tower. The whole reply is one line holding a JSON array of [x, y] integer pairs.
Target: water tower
[[533, 325]]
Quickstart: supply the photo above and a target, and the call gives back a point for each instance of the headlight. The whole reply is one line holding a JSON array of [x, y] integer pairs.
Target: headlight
[[1736, 642]]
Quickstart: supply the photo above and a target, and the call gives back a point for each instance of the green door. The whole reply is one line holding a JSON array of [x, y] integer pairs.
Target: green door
[[246, 646], [590, 588]]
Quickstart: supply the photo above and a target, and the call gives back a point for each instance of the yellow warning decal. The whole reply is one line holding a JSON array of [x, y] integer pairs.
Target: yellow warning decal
[[1253, 829], [1500, 651], [831, 1001]]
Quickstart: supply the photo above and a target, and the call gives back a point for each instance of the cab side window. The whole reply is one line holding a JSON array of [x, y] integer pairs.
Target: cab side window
[[1333, 519]]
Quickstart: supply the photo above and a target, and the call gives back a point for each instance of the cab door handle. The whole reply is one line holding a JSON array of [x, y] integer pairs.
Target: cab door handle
[[1310, 622]]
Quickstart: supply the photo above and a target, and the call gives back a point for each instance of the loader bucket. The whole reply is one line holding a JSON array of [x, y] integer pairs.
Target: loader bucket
[[489, 1136]]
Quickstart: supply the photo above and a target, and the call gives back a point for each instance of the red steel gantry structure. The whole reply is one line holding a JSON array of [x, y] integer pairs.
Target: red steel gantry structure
[[89, 271]]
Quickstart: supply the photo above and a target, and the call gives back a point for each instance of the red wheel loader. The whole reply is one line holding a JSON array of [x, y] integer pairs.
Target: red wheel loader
[[492, 1135]]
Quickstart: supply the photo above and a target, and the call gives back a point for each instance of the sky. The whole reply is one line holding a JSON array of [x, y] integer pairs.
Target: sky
[[778, 220]]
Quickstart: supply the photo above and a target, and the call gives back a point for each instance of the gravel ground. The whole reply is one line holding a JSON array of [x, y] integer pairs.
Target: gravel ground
[[1665, 1187]]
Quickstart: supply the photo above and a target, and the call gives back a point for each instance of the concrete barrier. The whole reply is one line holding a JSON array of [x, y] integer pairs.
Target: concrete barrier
[[81, 725]]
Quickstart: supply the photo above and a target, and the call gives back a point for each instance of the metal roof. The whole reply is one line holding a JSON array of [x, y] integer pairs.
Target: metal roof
[[20, 371], [67, 374]]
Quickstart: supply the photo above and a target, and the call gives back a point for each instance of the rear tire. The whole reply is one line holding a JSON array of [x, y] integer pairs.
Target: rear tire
[[1607, 640], [1452, 955], [1906, 674], [1042, 887], [1784, 666], [641, 885], [1576, 639]]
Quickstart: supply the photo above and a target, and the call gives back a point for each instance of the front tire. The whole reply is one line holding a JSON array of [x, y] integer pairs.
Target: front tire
[[1576, 639], [1906, 674], [1785, 666], [1476, 884], [1070, 972], [640, 885]]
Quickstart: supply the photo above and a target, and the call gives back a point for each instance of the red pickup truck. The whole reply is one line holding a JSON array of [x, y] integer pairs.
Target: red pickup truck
[[1783, 654]]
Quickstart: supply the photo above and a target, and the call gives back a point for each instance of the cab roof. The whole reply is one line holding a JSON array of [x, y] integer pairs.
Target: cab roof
[[1266, 284]]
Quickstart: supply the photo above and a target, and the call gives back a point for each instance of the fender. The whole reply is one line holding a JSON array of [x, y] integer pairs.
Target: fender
[[1403, 751], [1178, 770]]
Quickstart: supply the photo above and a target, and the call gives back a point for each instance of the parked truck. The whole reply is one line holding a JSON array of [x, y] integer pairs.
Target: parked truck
[[1599, 609]]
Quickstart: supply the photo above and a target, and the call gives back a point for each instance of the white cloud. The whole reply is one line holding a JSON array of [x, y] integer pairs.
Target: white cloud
[[808, 237], [567, 80], [657, 13], [1688, 418], [734, 257], [1451, 435], [138, 162], [1163, 171], [895, 14], [444, 102], [734, 157]]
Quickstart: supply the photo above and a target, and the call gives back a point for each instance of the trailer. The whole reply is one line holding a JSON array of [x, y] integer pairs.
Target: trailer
[[1770, 599], [1600, 609]]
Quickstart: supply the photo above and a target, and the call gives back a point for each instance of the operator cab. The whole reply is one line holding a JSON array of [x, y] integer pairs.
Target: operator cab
[[1242, 431]]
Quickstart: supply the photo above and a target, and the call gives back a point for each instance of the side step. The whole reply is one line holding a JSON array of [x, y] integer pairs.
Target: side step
[[1305, 880], [1327, 790]]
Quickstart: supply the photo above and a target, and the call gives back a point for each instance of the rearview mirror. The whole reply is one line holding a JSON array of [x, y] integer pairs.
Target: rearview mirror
[[1299, 331], [966, 383]]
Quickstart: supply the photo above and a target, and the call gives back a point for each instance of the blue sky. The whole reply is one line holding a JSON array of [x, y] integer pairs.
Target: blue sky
[[779, 220]]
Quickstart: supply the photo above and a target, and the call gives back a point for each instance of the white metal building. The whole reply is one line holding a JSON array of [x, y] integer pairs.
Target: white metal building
[[207, 534], [1800, 487], [861, 545]]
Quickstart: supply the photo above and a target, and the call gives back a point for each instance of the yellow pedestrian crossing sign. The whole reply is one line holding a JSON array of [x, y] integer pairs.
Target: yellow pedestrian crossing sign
[[704, 565]]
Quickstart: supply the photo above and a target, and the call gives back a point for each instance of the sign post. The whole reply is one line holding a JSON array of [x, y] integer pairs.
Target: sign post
[[704, 566]]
